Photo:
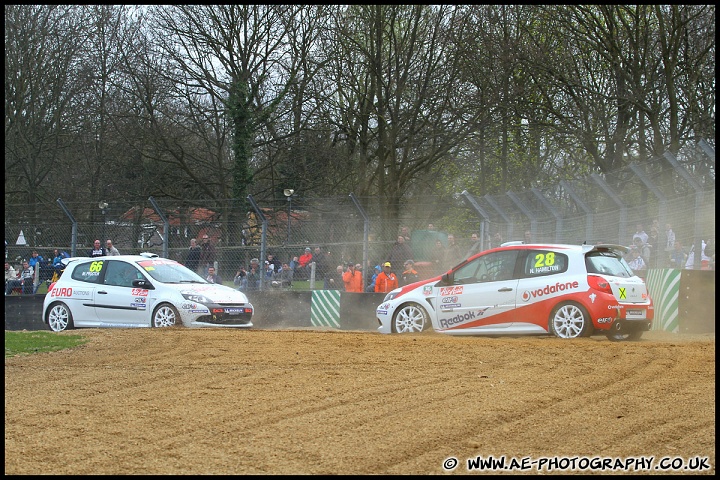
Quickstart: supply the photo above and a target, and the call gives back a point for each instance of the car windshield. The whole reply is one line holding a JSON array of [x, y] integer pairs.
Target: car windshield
[[607, 263], [169, 271]]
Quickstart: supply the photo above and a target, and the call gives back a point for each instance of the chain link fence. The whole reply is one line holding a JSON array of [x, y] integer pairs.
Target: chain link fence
[[597, 208]]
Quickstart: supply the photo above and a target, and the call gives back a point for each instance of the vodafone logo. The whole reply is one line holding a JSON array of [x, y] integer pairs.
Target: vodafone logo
[[548, 290]]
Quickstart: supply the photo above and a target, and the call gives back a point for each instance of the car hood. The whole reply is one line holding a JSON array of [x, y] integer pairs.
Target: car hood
[[215, 293]]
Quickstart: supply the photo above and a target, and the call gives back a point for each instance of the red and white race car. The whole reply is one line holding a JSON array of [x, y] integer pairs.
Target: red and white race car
[[566, 290]]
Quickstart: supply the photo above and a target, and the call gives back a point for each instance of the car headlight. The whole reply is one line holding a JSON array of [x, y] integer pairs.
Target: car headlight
[[391, 295], [196, 297]]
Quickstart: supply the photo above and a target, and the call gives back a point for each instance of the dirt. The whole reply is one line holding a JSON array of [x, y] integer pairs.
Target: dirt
[[214, 401]]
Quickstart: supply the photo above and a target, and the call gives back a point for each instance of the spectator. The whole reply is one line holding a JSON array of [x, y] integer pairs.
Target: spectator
[[637, 263], [241, 278], [10, 274], [98, 250], [475, 246], [213, 277], [38, 264], [528, 237], [276, 263], [409, 275], [352, 279], [640, 232], [437, 258], [57, 264], [497, 240], [400, 251], [320, 258], [36, 260], [335, 281], [24, 281], [386, 281], [110, 248], [304, 263], [710, 253], [253, 276], [268, 274], [283, 277], [453, 255], [644, 250], [677, 256], [669, 238], [294, 263], [371, 286], [405, 233], [207, 254], [192, 259]]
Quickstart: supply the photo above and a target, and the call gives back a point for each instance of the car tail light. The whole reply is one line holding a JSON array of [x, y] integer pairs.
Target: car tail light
[[599, 283]]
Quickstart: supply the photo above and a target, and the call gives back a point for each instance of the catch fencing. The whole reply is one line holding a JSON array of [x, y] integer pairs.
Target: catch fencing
[[679, 191]]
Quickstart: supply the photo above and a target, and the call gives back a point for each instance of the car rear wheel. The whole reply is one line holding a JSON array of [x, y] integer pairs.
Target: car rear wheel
[[410, 318], [622, 337], [165, 315], [570, 320], [59, 318]]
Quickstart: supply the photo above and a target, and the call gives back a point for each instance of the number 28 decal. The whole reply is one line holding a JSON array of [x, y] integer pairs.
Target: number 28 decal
[[544, 259]]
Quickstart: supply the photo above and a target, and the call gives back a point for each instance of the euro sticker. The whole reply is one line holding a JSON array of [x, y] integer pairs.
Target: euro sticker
[[139, 292]]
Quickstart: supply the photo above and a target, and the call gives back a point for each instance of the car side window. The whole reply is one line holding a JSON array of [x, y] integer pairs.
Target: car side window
[[88, 272], [120, 274], [492, 267], [539, 263]]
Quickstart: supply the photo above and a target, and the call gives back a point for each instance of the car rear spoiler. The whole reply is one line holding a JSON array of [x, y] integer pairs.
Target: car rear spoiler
[[621, 249]]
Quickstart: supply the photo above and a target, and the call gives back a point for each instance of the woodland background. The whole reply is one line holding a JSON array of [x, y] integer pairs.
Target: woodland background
[[209, 104]]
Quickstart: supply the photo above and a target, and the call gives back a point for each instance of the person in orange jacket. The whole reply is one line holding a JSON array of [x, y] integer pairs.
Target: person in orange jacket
[[386, 280], [352, 278]]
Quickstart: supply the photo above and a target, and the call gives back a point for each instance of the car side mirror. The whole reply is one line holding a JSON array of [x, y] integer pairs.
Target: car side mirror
[[446, 279], [141, 283]]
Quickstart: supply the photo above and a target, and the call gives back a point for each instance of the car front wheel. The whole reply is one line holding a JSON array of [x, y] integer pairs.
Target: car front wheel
[[570, 320], [410, 318], [165, 315], [59, 318]]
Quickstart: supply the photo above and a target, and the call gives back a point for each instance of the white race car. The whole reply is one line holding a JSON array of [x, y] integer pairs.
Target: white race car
[[140, 291], [565, 290]]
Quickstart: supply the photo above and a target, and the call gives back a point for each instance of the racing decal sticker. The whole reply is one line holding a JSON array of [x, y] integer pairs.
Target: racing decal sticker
[[544, 263], [461, 318], [450, 300], [446, 291], [140, 300], [623, 295], [139, 292], [139, 306], [61, 292], [381, 312], [449, 306], [592, 297], [605, 320], [427, 290], [188, 306], [548, 290]]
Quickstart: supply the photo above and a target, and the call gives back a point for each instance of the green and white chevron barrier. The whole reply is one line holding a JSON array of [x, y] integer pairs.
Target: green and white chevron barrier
[[664, 288], [325, 308]]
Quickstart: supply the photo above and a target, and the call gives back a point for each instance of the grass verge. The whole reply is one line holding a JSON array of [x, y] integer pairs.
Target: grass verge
[[26, 343]]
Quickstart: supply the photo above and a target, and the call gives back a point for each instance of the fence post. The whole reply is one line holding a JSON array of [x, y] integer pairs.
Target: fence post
[[166, 226], [366, 236], [263, 236], [73, 244]]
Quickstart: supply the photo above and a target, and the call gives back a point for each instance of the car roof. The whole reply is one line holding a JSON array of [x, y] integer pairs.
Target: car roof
[[520, 245], [130, 258]]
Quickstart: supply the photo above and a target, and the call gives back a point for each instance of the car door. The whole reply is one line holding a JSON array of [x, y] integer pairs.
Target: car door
[[78, 292], [117, 302], [482, 295]]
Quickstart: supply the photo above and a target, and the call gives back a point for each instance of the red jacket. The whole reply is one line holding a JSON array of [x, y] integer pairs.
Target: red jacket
[[304, 259], [386, 282]]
